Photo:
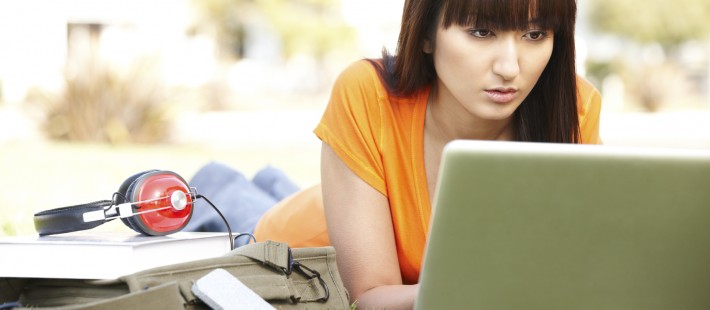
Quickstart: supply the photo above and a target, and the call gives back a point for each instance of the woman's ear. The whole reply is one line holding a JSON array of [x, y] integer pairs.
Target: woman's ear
[[427, 48]]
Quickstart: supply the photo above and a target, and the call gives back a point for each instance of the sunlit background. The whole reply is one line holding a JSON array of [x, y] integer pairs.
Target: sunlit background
[[93, 91]]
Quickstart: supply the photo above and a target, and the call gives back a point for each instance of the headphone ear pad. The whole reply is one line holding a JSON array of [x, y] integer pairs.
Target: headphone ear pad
[[123, 197], [147, 185]]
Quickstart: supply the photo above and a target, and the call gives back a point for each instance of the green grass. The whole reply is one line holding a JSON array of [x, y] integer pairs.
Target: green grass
[[38, 176]]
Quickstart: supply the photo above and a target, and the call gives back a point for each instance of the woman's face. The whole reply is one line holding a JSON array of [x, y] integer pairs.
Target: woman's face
[[488, 72]]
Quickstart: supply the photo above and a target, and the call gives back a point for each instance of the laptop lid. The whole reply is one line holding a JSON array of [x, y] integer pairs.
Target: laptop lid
[[558, 226]]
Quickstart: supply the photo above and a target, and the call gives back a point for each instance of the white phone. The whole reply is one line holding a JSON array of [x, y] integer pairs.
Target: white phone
[[220, 290]]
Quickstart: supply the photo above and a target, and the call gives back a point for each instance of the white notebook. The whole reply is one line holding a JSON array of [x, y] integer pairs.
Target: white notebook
[[103, 255]]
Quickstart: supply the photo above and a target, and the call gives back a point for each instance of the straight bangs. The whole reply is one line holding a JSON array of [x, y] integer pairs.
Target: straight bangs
[[506, 14]]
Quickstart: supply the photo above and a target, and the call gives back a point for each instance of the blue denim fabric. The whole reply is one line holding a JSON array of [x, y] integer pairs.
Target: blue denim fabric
[[241, 201], [275, 182]]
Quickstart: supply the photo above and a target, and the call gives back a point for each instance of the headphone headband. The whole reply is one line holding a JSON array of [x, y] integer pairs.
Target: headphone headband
[[67, 219]]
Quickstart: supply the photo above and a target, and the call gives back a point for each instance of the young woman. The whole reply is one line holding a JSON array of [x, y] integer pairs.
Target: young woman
[[464, 69]]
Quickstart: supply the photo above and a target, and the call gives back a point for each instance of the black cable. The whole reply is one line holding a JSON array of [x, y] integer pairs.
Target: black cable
[[251, 236], [229, 229], [116, 194]]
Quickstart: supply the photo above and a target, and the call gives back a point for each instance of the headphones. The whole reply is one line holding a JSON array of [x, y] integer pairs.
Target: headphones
[[153, 203]]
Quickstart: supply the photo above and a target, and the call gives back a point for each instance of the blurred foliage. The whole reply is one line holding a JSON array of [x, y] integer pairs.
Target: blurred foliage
[[597, 70], [102, 105], [653, 82], [310, 26], [667, 22], [659, 86], [223, 19], [313, 27], [8, 229]]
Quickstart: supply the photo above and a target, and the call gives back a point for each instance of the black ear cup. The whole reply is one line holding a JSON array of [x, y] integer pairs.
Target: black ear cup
[[123, 197]]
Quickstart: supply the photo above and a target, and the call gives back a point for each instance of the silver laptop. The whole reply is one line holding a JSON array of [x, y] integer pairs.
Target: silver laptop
[[551, 226]]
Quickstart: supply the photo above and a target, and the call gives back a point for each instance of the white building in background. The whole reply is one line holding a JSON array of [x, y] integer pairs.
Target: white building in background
[[39, 38], [377, 22]]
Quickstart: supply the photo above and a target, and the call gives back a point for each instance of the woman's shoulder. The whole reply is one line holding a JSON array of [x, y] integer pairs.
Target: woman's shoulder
[[586, 89], [588, 97], [361, 67], [589, 103], [361, 77]]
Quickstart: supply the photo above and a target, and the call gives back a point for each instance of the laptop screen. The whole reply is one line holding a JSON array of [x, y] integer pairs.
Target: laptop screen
[[550, 226]]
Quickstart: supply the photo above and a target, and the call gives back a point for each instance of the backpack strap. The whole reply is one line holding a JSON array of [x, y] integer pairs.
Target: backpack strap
[[278, 256], [275, 284], [271, 253]]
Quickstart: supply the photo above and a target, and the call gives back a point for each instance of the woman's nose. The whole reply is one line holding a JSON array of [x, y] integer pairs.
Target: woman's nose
[[506, 63]]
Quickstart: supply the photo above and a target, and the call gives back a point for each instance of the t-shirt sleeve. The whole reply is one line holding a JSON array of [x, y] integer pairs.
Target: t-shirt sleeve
[[590, 103], [352, 122]]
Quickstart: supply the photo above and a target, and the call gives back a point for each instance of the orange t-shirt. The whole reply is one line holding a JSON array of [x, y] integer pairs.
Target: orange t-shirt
[[380, 138]]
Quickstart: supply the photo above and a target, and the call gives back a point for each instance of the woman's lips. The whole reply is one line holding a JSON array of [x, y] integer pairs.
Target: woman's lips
[[501, 95]]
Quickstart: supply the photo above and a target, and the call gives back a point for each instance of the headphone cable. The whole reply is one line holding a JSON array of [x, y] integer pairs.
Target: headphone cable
[[229, 229]]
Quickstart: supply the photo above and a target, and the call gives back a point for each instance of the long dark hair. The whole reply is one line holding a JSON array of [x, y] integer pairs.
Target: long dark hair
[[549, 113]]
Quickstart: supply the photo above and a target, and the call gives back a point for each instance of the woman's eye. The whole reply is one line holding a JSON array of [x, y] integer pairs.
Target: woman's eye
[[481, 33], [536, 35]]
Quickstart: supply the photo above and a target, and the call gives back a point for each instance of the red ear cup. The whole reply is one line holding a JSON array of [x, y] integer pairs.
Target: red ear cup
[[155, 214]]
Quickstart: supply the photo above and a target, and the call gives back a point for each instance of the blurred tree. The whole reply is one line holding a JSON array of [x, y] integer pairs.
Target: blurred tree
[[223, 19], [314, 27], [661, 27], [669, 23]]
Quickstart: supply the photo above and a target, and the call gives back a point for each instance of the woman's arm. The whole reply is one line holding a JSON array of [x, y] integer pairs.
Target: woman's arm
[[360, 229]]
